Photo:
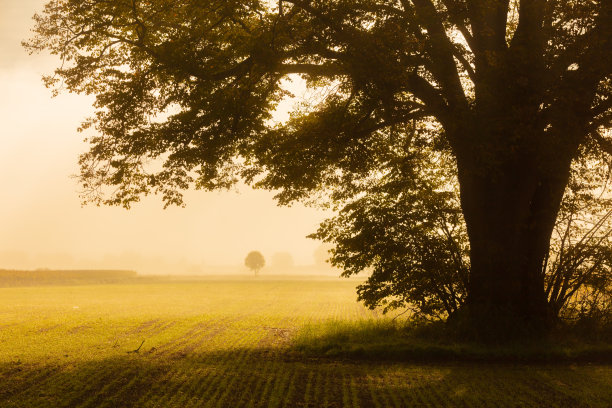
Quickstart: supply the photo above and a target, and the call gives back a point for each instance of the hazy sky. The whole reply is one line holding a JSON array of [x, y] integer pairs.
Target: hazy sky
[[40, 211]]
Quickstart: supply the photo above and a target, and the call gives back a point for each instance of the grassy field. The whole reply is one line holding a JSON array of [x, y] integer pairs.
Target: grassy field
[[232, 343]]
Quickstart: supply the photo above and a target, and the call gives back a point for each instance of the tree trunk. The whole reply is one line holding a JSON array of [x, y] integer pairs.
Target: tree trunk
[[510, 211]]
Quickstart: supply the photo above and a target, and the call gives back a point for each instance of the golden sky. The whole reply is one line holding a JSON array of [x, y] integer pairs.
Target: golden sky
[[42, 223]]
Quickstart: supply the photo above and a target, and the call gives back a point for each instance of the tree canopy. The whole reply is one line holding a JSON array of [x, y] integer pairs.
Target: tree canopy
[[513, 90]]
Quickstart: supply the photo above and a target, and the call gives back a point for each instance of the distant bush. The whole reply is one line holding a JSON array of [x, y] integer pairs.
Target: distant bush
[[282, 261]]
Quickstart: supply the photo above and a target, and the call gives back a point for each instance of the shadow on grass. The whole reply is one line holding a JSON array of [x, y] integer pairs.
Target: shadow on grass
[[399, 341], [280, 378]]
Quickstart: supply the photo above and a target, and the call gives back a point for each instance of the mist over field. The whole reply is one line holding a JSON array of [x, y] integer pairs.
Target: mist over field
[[42, 220], [277, 263], [173, 201]]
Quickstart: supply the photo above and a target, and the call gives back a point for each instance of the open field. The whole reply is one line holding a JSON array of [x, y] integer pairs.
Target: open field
[[230, 343]]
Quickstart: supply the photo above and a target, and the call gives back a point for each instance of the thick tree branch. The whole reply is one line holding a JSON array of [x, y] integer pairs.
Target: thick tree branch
[[488, 22], [465, 64], [430, 96], [442, 52], [531, 24], [457, 11]]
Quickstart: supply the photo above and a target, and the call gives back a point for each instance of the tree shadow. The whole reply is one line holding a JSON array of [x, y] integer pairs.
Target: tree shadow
[[281, 378]]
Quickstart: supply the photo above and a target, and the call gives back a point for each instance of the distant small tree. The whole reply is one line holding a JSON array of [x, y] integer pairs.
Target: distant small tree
[[282, 261], [254, 261]]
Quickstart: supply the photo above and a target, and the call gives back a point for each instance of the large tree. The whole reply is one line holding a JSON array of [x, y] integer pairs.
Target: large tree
[[185, 91]]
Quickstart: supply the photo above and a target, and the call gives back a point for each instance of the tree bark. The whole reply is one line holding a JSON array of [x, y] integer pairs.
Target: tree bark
[[510, 206]]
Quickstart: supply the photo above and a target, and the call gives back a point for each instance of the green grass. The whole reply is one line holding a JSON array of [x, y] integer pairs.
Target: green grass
[[261, 342], [386, 339]]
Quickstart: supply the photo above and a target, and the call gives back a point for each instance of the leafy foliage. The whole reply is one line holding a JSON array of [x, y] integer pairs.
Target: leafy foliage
[[409, 233], [185, 89]]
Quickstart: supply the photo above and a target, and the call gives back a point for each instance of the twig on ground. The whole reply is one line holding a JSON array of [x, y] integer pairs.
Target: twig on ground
[[138, 349]]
